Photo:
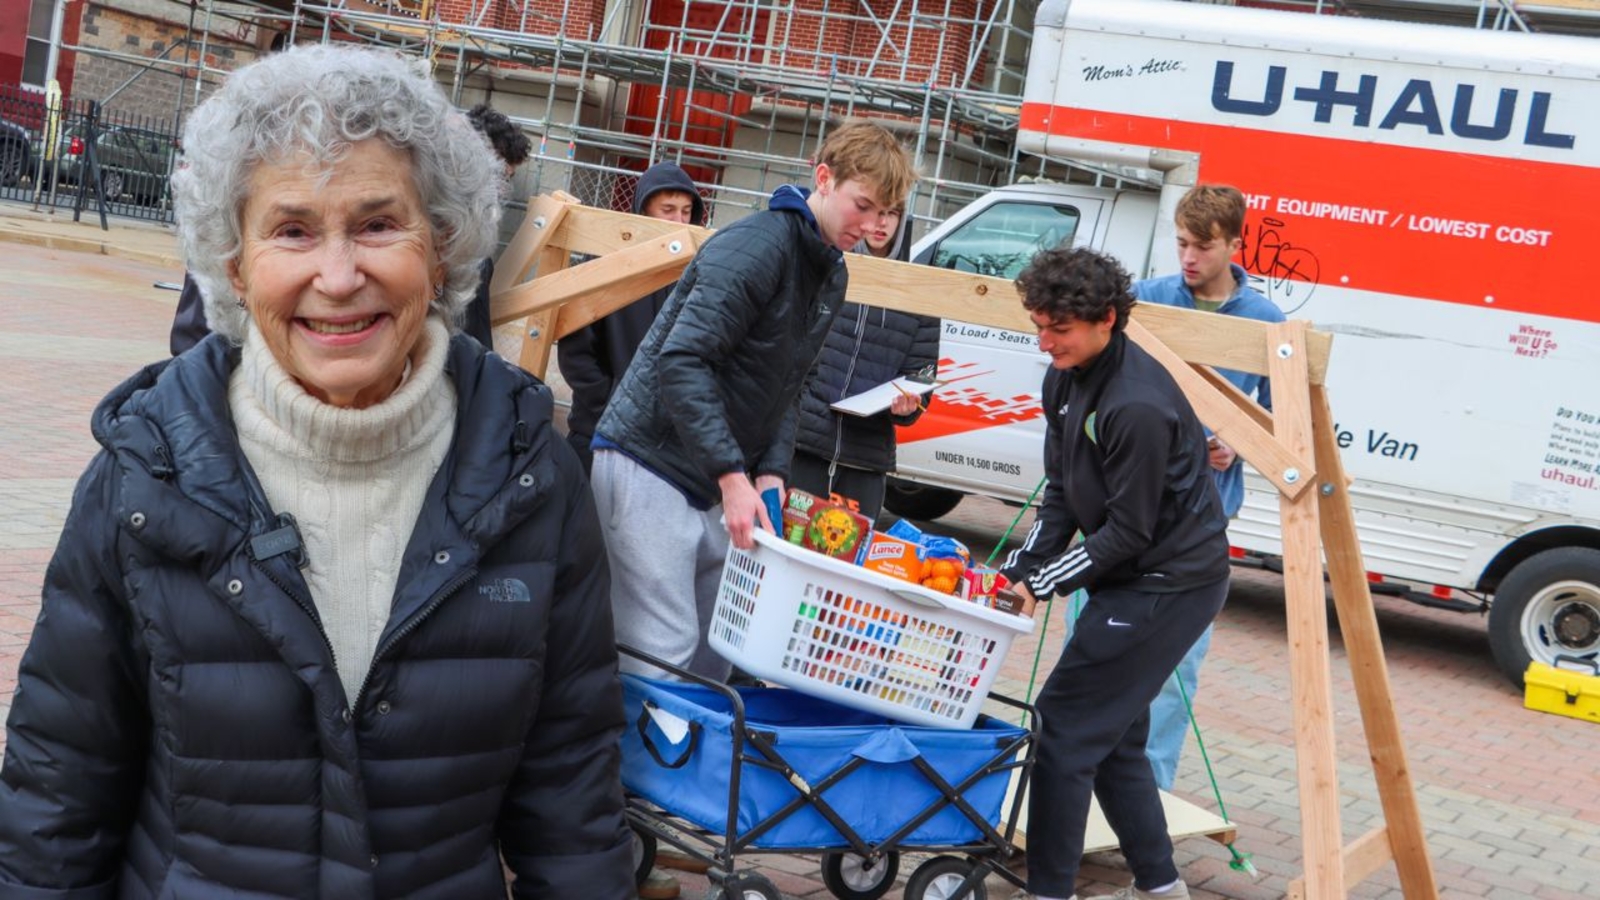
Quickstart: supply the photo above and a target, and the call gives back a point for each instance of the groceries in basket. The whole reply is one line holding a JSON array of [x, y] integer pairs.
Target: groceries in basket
[[981, 584], [894, 557], [792, 617], [828, 528], [944, 559]]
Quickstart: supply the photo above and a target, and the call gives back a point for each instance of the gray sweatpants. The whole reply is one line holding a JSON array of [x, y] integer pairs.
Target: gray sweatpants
[[666, 566]]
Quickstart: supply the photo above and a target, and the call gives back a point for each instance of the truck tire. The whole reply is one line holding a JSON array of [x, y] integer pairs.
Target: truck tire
[[1549, 605], [910, 500]]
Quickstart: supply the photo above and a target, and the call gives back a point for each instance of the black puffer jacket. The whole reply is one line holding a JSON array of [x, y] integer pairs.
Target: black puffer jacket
[[867, 346], [1125, 462], [713, 387], [594, 358], [179, 729]]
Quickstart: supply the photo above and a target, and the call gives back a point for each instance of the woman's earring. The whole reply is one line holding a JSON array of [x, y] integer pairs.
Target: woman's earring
[[438, 292], [240, 301]]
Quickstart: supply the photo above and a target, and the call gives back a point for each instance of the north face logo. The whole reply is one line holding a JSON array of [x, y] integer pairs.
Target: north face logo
[[505, 590]]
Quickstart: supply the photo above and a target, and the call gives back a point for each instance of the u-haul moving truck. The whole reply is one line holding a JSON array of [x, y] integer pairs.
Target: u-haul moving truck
[[1428, 194]]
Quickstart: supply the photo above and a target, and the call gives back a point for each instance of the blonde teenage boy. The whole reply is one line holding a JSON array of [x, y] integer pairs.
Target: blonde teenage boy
[[704, 419]]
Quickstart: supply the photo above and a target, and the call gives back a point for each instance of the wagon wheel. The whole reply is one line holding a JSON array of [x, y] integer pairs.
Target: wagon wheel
[[940, 878], [852, 877], [744, 886]]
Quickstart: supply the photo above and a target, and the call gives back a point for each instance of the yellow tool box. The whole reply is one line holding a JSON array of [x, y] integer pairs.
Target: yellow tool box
[[1563, 691]]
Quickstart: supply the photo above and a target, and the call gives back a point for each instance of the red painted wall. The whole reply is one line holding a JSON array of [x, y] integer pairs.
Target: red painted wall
[[14, 41]]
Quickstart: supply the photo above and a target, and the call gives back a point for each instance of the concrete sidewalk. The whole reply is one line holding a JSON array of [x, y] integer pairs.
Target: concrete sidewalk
[[147, 242]]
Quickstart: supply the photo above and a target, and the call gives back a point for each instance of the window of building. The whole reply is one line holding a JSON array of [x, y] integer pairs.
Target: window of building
[[36, 57]]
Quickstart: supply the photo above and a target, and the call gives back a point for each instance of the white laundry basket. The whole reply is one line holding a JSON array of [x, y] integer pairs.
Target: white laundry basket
[[795, 617]]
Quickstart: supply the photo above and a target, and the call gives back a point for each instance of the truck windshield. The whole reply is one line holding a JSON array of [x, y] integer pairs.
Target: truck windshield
[[1002, 239]]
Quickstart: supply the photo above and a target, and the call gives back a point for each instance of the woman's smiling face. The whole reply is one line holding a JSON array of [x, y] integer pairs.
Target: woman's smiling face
[[337, 270]]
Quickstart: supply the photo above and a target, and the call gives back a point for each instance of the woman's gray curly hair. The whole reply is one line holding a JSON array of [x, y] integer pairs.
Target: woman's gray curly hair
[[319, 100]]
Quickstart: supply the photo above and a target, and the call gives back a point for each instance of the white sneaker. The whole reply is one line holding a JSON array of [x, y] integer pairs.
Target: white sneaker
[[1179, 891], [1024, 895]]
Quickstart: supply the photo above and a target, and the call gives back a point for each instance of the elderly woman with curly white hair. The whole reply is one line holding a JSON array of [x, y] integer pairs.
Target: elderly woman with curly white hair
[[329, 616]]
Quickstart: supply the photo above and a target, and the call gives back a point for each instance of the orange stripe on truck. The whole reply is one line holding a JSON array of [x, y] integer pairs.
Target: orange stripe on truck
[[1356, 214]]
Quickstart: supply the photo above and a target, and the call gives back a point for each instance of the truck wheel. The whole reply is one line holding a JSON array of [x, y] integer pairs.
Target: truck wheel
[[1549, 605], [910, 500]]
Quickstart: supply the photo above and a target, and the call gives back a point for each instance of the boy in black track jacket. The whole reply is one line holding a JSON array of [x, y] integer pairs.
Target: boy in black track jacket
[[1125, 459]]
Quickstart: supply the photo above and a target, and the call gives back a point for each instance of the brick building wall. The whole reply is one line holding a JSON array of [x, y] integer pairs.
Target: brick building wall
[[149, 30], [581, 18], [810, 35], [822, 33]]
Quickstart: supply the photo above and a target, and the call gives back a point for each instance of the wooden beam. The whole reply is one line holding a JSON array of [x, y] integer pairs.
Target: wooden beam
[[600, 231], [622, 277], [1226, 342], [1310, 674], [544, 217], [1289, 471], [539, 338], [1240, 401], [1363, 856], [1358, 624]]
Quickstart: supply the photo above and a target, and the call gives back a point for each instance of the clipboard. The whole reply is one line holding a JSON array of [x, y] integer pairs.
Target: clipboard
[[872, 401]]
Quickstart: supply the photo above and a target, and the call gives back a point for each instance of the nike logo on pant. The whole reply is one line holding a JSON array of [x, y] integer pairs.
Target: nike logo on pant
[[1115, 624]]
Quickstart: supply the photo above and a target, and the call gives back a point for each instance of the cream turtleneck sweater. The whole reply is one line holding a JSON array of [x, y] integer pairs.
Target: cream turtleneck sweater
[[354, 479]]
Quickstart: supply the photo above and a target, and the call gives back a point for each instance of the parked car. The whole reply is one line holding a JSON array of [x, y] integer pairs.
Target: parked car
[[133, 162], [16, 155]]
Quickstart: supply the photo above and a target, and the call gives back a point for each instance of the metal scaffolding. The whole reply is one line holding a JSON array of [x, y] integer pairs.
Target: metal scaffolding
[[738, 88]]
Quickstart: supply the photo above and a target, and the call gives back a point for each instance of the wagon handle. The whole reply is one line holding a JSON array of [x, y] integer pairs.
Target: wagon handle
[[644, 736]]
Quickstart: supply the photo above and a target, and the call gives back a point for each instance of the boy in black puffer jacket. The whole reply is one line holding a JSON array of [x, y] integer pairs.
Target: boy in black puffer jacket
[[704, 419]]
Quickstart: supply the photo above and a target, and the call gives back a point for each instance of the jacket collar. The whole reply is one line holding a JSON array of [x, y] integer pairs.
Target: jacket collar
[[1100, 368], [170, 429]]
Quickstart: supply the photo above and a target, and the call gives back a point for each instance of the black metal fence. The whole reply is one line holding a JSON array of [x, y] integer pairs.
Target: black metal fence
[[81, 157]]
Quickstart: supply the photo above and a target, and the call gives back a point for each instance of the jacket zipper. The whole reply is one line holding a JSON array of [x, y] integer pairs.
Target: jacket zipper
[[304, 604], [849, 374], [416, 620]]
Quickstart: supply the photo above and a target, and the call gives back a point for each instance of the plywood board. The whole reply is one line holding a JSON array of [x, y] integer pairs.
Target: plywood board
[[1184, 820]]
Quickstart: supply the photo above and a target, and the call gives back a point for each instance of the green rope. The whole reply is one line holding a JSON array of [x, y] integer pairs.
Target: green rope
[[1240, 861], [1049, 602], [1014, 520]]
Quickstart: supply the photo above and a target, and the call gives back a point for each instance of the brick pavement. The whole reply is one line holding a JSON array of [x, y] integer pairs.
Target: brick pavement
[[1510, 798]]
